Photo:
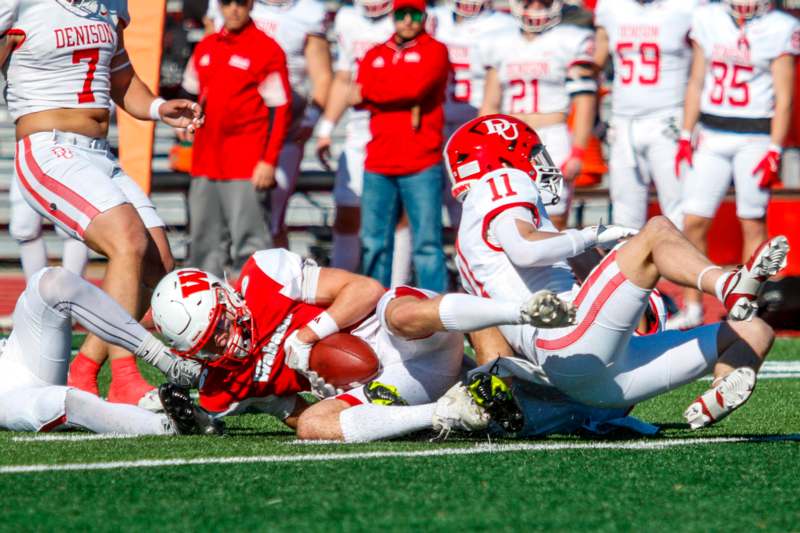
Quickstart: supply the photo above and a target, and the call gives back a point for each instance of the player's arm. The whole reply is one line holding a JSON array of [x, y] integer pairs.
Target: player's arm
[[601, 52], [582, 87], [131, 94], [492, 93], [348, 298], [318, 61], [783, 84], [334, 109], [694, 89]]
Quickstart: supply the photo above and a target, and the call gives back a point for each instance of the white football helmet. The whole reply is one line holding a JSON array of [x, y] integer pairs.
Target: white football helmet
[[374, 8], [191, 307], [467, 8], [276, 3], [747, 9], [542, 17]]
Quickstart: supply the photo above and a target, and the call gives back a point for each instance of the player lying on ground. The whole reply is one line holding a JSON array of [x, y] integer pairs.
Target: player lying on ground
[[508, 248], [254, 341], [35, 357]]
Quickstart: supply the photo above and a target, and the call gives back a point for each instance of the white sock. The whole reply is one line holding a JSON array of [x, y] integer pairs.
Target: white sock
[[346, 253], [693, 308], [368, 422], [75, 257], [33, 256], [720, 284], [87, 411], [462, 312], [401, 260]]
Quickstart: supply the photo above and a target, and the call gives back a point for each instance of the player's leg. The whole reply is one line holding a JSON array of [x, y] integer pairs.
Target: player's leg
[[75, 254], [660, 156], [703, 188], [25, 226], [286, 179], [421, 193], [751, 200], [346, 253], [380, 207], [627, 187], [558, 142]]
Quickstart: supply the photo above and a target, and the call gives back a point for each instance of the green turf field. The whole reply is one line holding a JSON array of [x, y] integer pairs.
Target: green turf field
[[741, 475]]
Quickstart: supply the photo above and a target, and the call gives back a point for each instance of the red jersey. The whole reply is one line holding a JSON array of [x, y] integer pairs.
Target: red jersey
[[237, 76], [271, 283], [403, 87]]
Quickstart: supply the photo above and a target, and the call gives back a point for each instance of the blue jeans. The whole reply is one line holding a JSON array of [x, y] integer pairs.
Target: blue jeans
[[421, 196]]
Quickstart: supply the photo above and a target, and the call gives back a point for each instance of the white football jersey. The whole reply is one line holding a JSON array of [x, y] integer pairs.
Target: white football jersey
[[650, 50], [738, 79], [64, 60], [355, 34], [290, 26], [465, 92], [533, 72]]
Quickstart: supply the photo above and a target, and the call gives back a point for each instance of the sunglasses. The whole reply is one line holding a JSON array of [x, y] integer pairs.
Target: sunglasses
[[415, 14], [237, 2]]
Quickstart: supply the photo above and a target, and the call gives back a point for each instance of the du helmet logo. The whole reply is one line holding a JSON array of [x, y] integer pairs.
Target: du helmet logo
[[502, 127]]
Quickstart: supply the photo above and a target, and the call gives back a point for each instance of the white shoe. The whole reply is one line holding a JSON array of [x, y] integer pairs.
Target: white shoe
[[722, 399], [151, 401], [458, 410], [687, 318], [546, 310], [741, 288]]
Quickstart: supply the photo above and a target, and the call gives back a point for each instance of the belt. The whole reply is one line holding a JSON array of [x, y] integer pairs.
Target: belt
[[82, 141], [736, 124]]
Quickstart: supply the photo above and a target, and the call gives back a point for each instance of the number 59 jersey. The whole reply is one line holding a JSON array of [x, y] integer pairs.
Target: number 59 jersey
[[484, 267], [738, 80], [650, 52], [64, 58]]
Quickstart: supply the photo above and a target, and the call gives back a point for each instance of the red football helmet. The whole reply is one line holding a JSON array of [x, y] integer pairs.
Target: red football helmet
[[747, 9], [536, 19], [496, 141], [203, 318]]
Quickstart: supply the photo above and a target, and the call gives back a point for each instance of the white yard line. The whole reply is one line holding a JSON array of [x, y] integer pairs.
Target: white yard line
[[71, 437], [438, 452]]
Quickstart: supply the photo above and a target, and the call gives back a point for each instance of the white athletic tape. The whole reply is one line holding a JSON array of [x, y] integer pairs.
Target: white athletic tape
[[437, 452]]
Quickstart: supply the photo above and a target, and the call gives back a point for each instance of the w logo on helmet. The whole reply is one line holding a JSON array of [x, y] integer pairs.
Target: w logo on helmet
[[193, 281], [502, 127]]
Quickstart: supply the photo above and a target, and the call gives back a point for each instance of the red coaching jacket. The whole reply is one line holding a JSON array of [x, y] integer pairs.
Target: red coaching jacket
[[403, 87], [237, 75]]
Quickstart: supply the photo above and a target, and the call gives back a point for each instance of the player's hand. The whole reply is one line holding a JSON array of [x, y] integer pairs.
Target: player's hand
[[182, 114], [606, 236], [297, 352], [263, 176], [324, 152], [185, 373], [320, 388], [768, 168], [572, 166], [684, 153]]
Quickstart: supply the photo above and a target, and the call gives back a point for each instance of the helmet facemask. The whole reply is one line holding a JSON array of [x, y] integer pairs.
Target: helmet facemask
[[743, 10], [539, 19], [466, 8], [549, 178], [375, 8]]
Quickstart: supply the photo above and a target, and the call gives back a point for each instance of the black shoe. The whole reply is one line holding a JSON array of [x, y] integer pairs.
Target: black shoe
[[381, 394], [187, 418], [491, 393]]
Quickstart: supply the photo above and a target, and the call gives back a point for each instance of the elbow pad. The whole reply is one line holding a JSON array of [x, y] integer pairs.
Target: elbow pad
[[580, 84]]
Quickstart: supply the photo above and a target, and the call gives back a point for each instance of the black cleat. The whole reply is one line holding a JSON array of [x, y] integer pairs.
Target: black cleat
[[491, 393], [186, 417]]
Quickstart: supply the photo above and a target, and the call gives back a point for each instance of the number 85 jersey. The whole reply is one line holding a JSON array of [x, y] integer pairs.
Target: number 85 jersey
[[650, 51], [64, 58], [738, 80]]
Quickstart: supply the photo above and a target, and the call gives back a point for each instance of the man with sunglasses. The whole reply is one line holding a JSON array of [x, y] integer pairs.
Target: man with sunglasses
[[402, 83], [240, 74]]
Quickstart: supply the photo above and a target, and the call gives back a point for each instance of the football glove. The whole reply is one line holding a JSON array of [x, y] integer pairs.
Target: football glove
[[768, 168], [297, 353], [684, 153], [606, 237]]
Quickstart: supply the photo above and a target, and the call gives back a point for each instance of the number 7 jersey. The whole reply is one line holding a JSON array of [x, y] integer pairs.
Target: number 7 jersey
[[64, 58], [738, 80]]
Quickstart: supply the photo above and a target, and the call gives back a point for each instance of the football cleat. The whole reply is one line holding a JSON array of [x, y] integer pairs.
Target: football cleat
[[151, 401], [491, 393], [719, 401], [186, 417], [742, 285], [382, 394], [457, 410], [687, 318], [546, 310]]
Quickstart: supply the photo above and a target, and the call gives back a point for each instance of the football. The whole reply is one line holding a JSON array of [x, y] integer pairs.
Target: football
[[343, 360]]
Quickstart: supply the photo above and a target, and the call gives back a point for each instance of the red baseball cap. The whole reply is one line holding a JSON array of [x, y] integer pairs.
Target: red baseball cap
[[419, 5]]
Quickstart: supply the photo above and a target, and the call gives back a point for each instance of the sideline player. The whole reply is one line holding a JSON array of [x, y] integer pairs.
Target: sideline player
[[255, 341], [534, 74], [740, 98], [35, 357], [462, 25], [299, 26], [66, 63], [647, 43], [357, 28], [508, 248]]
